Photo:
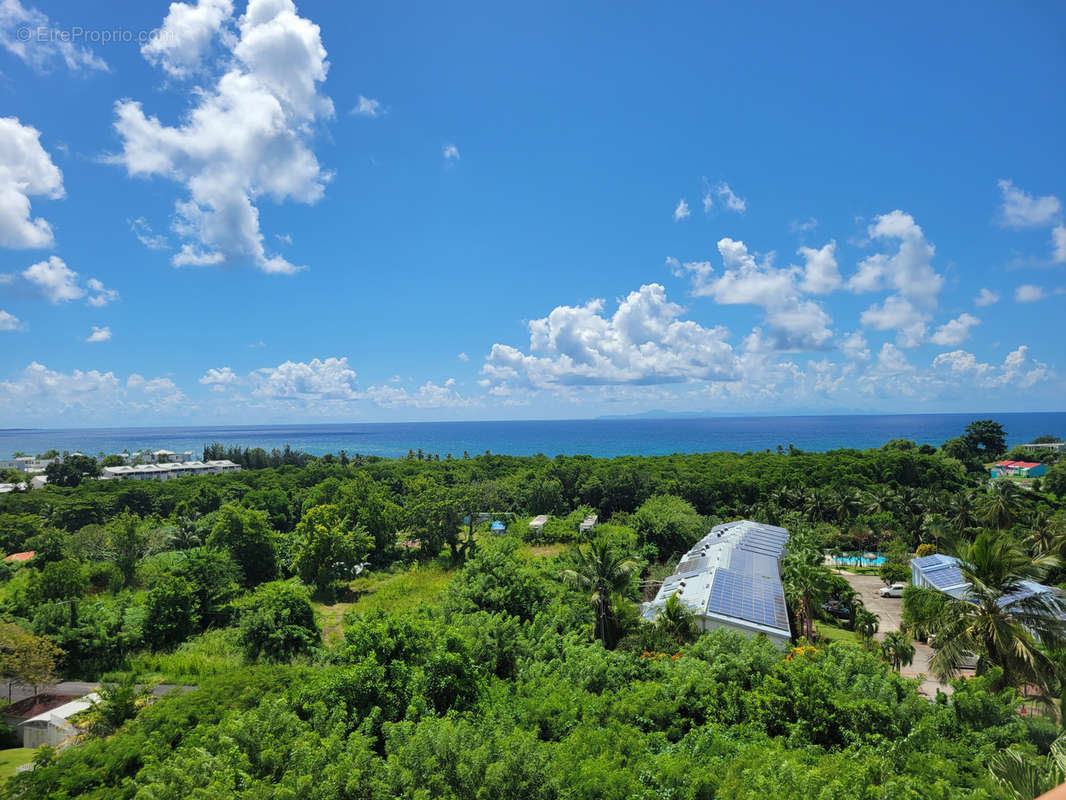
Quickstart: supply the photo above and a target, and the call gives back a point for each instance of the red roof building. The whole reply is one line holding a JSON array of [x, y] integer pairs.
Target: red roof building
[[21, 556]]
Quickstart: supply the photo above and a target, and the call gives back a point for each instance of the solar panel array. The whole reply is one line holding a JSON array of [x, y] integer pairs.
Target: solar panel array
[[733, 574], [747, 597], [945, 577]]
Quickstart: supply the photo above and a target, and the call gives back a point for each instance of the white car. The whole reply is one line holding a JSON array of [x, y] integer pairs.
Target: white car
[[895, 590]]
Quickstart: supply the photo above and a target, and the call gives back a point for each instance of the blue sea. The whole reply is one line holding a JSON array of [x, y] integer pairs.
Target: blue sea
[[598, 437]]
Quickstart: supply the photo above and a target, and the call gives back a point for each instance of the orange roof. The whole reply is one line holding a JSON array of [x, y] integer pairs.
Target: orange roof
[[1018, 464], [21, 556]]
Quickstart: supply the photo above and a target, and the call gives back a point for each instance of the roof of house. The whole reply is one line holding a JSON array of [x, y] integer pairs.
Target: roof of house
[[58, 716], [1018, 464], [21, 556], [942, 571], [540, 519], [38, 704], [732, 575]]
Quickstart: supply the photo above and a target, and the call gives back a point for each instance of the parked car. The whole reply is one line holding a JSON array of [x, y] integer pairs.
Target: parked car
[[836, 609], [895, 590]]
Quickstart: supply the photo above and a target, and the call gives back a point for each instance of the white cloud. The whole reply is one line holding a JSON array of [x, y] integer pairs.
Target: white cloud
[[897, 314], [732, 202], [329, 379], [986, 297], [793, 324], [1021, 210], [892, 361], [451, 152], [26, 170], [146, 236], [681, 212], [99, 334], [186, 35], [1019, 369], [368, 107], [219, 378], [428, 395], [643, 342], [57, 282], [854, 346], [1058, 243], [909, 270], [821, 274], [463, 357], [246, 137], [708, 201], [956, 331], [101, 295], [38, 392], [1027, 293], [9, 322], [28, 34]]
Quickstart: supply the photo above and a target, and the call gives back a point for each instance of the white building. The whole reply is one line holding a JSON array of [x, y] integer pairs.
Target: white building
[[168, 471], [731, 578], [53, 727]]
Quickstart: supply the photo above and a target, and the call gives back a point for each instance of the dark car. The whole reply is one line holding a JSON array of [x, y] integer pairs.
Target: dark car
[[836, 609]]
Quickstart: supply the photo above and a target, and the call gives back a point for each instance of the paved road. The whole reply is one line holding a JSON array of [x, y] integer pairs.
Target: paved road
[[890, 610]]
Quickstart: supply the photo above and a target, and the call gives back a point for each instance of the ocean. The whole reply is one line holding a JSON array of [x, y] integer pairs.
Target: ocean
[[597, 437]]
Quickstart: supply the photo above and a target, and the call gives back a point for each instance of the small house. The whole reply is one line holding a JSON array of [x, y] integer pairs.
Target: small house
[[537, 523], [498, 527], [1017, 469], [588, 524], [21, 557], [53, 727], [30, 707]]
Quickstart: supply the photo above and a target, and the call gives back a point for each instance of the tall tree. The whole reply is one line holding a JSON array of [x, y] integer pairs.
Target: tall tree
[[986, 438], [602, 571], [244, 533], [897, 649], [325, 550]]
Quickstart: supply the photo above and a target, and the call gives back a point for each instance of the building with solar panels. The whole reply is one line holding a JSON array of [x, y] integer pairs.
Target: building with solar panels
[[942, 573], [731, 578]]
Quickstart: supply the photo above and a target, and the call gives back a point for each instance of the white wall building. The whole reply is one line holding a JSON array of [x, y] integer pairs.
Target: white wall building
[[168, 471], [53, 727], [731, 578]]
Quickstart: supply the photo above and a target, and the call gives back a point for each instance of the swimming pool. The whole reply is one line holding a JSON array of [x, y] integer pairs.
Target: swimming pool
[[859, 561]]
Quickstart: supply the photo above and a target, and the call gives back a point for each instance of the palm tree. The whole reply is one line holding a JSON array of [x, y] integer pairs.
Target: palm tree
[[1045, 533], [602, 571], [1000, 505], [879, 499], [865, 624], [1023, 778], [677, 620], [960, 512], [805, 587], [897, 649], [999, 619]]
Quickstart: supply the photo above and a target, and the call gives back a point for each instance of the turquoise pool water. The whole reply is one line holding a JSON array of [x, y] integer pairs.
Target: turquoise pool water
[[860, 561]]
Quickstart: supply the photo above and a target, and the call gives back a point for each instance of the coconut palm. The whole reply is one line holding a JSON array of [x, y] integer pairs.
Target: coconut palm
[[897, 649], [1045, 533], [677, 620], [999, 507], [999, 620], [603, 572], [806, 585], [865, 624], [960, 512], [1025, 778], [880, 499]]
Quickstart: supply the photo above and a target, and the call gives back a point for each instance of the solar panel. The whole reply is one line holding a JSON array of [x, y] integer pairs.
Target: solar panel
[[945, 577], [747, 598]]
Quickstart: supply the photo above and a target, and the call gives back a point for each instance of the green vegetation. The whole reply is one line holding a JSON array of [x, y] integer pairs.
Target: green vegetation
[[12, 758], [355, 630]]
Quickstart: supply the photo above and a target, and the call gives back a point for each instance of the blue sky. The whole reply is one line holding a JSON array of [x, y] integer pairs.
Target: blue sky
[[267, 212]]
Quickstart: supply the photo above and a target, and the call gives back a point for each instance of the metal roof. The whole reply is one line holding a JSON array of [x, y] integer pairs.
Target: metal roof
[[732, 576]]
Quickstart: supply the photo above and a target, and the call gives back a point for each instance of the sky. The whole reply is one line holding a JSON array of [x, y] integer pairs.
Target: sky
[[227, 212]]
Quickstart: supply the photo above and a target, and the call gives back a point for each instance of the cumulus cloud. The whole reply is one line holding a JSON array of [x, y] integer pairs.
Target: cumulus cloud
[[854, 346], [38, 392], [186, 36], [99, 334], [329, 379], [643, 342], [46, 45], [368, 107], [986, 297], [246, 137], [26, 170], [956, 331], [1027, 293], [451, 152], [101, 295], [463, 357], [219, 377], [1021, 210], [9, 322], [1019, 369], [681, 212], [56, 281], [897, 314], [820, 275], [792, 323]]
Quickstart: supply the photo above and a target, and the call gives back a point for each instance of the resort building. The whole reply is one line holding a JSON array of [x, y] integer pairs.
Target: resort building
[[941, 573], [1058, 447], [731, 578], [168, 471], [1017, 469]]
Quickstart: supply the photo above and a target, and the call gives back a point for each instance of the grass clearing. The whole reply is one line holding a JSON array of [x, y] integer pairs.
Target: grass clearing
[[419, 586], [211, 653], [831, 633], [15, 757], [545, 550]]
